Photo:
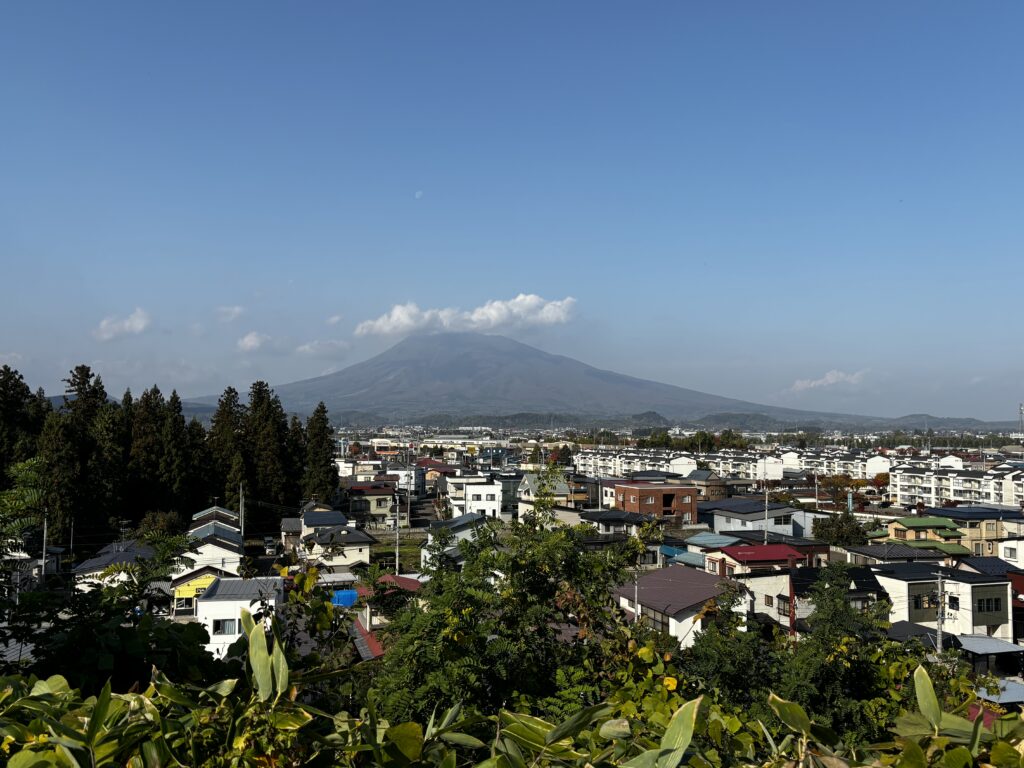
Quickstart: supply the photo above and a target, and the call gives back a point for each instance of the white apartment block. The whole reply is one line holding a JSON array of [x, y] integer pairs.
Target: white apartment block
[[1002, 485]]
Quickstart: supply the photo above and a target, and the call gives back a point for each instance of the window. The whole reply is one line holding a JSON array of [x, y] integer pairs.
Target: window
[[922, 602], [990, 527], [655, 619], [183, 604], [632, 499], [382, 502], [901, 534], [953, 602], [784, 520], [1010, 553], [476, 497], [989, 604], [225, 626], [730, 570], [687, 499], [783, 606], [712, 566], [490, 497], [920, 535], [648, 499], [769, 600]]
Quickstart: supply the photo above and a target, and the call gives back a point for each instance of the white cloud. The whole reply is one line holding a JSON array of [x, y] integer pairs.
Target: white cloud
[[324, 348], [228, 314], [112, 327], [10, 358], [334, 319], [524, 310], [830, 379], [252, 341]]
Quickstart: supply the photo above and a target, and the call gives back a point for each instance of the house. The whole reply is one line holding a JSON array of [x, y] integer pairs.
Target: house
[[335, 547], [371, 618], [674, 503], [672, 600], [564, 493], [813, 551], [939, 533], [971, 603], [215, 514], [186, 587], [291, 533], [316, 519], [457, 529], [219, 608], [982, 526], [469, 494], [376, 503], [89, 574], [783, 597], [709, 484], [617, 521], [407, 477], [745, 558], [751, 514], [890, 552], [434, 470], [215, 544]]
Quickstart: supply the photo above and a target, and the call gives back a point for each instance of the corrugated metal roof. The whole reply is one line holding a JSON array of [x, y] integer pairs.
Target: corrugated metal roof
[[243, 589], [712, 540], [985, 646]]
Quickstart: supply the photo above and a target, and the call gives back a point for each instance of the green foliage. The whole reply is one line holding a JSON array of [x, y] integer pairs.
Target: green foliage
[[841, 530], [320, 478]]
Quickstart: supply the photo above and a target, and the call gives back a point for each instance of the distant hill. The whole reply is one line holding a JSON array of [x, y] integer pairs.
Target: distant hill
[[472, 378]]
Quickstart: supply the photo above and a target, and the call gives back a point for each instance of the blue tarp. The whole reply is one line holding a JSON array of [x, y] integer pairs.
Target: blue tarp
[[668, 551], [344, 598]]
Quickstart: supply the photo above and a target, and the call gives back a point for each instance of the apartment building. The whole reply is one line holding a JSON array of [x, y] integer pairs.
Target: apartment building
[[469, 494], [677, 503], [1001, 485]]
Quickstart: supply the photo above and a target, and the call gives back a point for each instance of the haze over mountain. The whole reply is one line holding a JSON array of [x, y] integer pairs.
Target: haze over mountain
[[488, 375]]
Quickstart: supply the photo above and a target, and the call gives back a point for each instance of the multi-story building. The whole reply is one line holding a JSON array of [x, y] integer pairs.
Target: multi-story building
[[1001, 485], [667, 501]]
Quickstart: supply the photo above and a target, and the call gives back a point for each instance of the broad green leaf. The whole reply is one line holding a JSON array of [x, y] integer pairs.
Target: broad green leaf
[[462, 740], [791, 714], [280, 665], [912, 756], [291, 720], [259, 660], [958, 757], [25, 759], [99, 714], [648, 759], [408, 738], [679, 734], [615, 729], [926, 699], [498, 761], [1004, 755], [575, 724]]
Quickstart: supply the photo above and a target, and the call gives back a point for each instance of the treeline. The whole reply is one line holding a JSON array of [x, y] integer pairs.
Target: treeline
[[104, 463], [699, 442]]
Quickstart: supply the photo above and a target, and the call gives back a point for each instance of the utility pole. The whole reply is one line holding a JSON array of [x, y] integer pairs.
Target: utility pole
[[815, 491], [397, 512], [241, 512], [45, 521], [940, 615], [765, 499]]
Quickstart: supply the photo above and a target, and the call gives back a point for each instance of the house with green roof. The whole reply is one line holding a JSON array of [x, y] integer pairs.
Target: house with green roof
[[938, 533]]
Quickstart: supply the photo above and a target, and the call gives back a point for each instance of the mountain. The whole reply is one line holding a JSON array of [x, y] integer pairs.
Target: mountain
[[470, 373]]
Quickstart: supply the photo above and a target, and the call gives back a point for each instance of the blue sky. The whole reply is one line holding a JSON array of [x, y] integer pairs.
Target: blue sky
[[815, 205]]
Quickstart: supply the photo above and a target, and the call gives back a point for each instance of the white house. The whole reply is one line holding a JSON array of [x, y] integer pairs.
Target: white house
[[219, 608], [339, 546], [672, 600], [461, 528], [216, 544], [971, 603]]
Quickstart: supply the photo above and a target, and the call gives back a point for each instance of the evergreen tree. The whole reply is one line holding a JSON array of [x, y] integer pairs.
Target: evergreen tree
[[62, 473], [227, 443], [320, 479], [267, 437], [108, 464], [174, 460], [22, 415], [146, 492], [296, 457], [201, 476]]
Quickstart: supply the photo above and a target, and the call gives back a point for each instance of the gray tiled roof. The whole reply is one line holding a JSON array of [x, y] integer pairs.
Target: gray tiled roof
[[243, 589]]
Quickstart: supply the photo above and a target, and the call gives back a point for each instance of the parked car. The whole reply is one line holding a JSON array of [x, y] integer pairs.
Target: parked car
[[270, 545]]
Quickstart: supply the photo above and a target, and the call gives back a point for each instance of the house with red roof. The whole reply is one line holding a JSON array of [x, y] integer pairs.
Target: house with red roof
[[747, 558]]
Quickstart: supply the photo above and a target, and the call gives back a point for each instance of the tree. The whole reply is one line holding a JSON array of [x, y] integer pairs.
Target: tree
[[174, 458], [266, 433], [227, 442], [22, 415], [839, 530], [320, 479], [146, 454]]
